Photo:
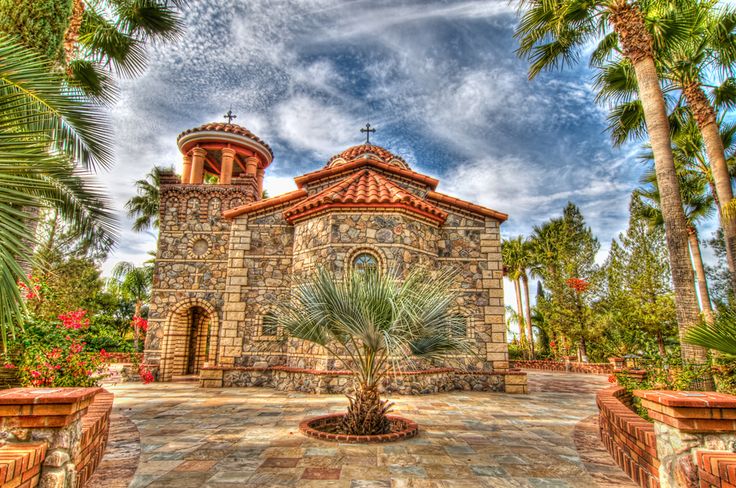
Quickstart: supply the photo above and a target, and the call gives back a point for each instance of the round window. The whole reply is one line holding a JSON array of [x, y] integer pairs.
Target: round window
[[364, 262]]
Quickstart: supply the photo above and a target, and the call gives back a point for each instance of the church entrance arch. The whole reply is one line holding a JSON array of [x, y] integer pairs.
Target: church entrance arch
[[189, 339]]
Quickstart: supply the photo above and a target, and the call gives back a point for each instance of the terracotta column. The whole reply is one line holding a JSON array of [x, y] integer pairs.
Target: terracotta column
[[187, 173], [226, 173], [260, 173], [251, 166], [197, 176]]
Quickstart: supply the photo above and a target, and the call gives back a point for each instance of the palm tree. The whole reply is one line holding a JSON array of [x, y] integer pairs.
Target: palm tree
[[144, 207], [88, 39], [553, 33], [698, 207], [518, 258], [684, 62], [50, 141], [719, 335], [372, 323], [135, 283]]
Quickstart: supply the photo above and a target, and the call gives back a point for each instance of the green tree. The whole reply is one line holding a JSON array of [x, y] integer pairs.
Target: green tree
[[554, 33], [698, 207], [144, 207], [89, 39], [50, 139], [517, 259], [637, 295], [135, 284], [565, 249], [372, 322]]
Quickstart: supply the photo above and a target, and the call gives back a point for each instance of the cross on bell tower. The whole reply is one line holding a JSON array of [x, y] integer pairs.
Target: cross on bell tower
[[367, 131], [230, 116]]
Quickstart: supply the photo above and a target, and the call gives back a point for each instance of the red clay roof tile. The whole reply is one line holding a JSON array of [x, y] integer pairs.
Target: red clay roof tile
[[366, 150], [264, 204], [365, 188], [462, 204]]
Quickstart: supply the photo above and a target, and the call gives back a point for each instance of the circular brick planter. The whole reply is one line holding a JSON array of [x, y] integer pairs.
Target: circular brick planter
[[319, 428]]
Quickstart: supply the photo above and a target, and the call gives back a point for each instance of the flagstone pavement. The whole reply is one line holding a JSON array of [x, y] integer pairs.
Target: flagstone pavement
[[223, 438]]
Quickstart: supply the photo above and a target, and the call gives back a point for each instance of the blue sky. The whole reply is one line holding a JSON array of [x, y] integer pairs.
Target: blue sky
[[438, 79]]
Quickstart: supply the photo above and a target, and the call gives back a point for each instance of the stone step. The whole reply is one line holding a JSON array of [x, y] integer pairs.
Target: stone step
[[185, 378]]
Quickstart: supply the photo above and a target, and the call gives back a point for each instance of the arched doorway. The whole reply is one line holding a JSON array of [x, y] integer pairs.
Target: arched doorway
[[189, 340]]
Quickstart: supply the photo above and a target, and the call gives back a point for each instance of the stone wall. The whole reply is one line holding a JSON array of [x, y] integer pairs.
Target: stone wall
[[52, 437], [567, 366], [191, 267], [332, 382], [628, 438]]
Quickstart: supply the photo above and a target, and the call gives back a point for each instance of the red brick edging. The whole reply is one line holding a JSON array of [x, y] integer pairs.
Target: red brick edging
[[309, 427], [628, 438]]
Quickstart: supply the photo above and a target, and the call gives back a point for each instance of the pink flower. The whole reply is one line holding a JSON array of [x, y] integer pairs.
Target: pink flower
[[75, 320]]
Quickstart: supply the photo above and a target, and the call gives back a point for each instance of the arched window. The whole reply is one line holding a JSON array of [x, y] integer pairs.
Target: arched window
[[459, 326], [269, 325], [365, 261]]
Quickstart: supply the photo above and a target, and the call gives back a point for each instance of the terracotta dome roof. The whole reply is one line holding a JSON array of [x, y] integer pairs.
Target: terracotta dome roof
[[369, 151], [365, 188], [231, 128]]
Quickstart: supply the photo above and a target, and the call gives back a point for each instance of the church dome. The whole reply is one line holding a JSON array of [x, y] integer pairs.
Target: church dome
[[366, 151], [222, 131]]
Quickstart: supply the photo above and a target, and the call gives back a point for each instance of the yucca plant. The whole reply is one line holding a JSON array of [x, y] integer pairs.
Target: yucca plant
[[375, 323], [719, 335]]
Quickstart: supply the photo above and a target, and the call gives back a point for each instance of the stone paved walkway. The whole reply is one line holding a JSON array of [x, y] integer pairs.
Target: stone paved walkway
[[192, 437]]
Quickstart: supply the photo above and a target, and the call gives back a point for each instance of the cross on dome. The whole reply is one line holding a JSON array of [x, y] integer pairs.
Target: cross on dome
[[368, 131], [230, 116]]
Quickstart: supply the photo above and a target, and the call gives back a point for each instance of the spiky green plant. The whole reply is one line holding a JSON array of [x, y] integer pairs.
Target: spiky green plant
[[373, 323], [719, 335]]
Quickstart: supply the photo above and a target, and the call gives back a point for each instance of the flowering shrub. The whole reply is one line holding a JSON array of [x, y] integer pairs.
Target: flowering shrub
[[32, 292], [146, 375], [54, 354], [140, 324], [577, 284], [75, 320]]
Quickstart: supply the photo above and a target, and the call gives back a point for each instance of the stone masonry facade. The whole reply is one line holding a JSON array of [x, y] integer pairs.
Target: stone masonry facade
[[226, 256]]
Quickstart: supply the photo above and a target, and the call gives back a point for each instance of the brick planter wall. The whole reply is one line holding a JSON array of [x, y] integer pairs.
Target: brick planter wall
[[628, 438], [320, 381], [62, 431], [570, 367], [716, 469]]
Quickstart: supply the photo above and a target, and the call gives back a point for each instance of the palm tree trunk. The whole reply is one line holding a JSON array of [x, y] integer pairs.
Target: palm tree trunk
[[71, 36], [366, 412], [705, 116], [636, 45], [528, 313], [700, 275], [520, 313]]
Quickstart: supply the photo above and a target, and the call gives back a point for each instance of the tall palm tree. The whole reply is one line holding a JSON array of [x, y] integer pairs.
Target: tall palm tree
[[512, 255], [144, 207], [372, 323], [89, 39], [135, 283], [516, 259], [50, 141], [698, 207], [685, 64], [554, 33]]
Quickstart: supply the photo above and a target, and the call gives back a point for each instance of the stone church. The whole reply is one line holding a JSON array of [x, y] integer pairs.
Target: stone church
[[226, 255]]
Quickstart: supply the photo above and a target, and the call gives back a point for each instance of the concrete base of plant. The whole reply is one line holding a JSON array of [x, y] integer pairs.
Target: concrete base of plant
[[320, 427]]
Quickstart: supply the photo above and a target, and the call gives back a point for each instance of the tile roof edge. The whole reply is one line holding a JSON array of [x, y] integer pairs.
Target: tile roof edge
[[335, 170], [465, 205], [265, 203]]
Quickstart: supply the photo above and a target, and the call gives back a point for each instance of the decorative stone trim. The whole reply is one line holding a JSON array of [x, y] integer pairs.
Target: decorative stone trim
[[196, 249], [312, 428], [568, 366]]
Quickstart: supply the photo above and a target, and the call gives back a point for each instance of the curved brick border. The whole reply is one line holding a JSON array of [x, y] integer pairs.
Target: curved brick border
[[310, 427], [628, 438]]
